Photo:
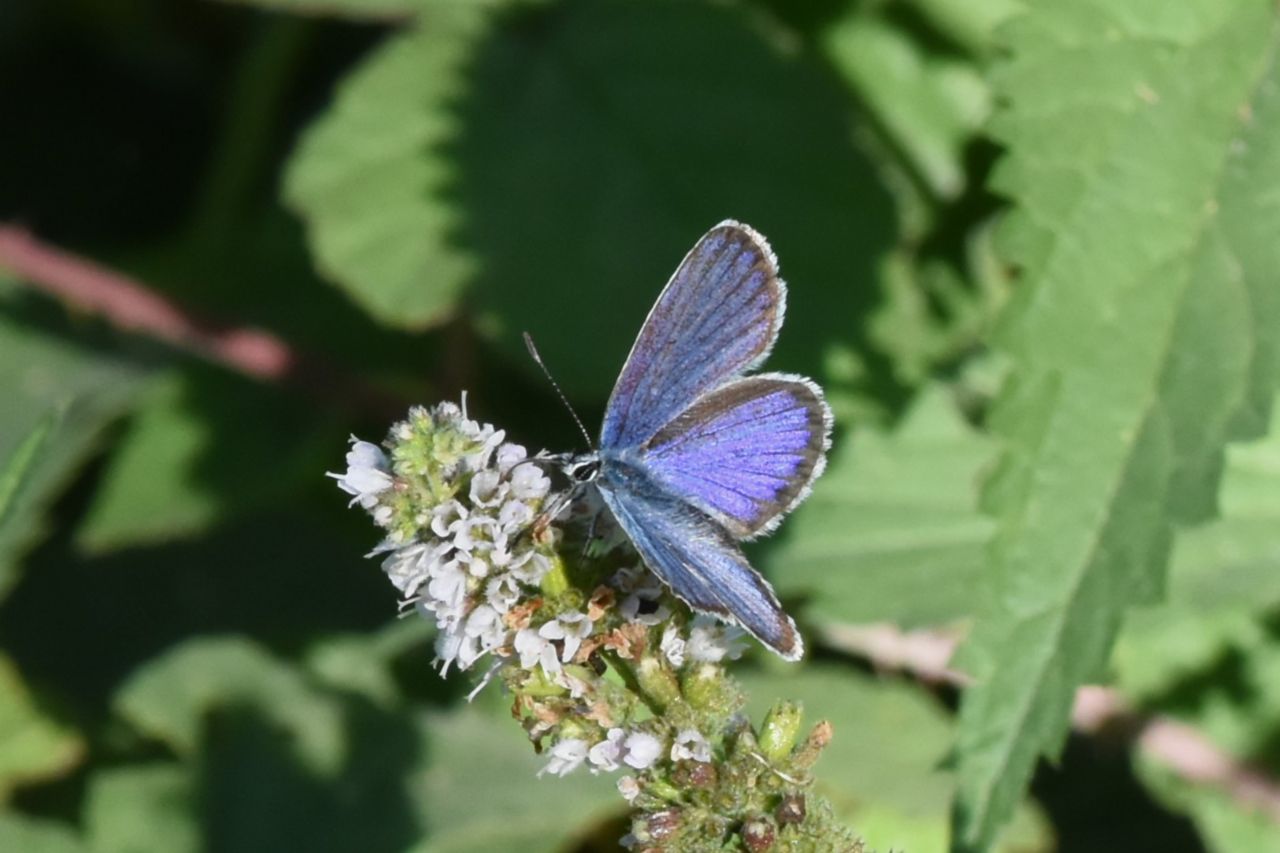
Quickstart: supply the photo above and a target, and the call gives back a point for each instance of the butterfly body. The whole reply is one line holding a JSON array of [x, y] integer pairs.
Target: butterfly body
[[694, 454]]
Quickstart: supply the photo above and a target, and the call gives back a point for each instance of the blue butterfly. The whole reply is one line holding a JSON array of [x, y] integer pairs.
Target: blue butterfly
[[695, 456]]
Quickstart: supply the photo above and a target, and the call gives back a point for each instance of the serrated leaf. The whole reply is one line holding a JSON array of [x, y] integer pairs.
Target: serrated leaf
[[32, 835], [367, 176], [971, 23], [892, 531], [557, 161], [32, 746], [1224, 581], [1144, 338], [42, 372], [142, 809], [884, 769]]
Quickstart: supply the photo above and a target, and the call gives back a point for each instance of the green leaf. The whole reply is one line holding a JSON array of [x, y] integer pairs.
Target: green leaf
[[41, 371], [143, 808], [884, 769], [929, 104], [32, 747], [18, 467], [169, 698], [481, 791], [557, 161], [1224, 581], [971, 23], [281, 759], [1143, 339], [892, 531], [372, 10], [31, 835], [368, 176], [186, 461]]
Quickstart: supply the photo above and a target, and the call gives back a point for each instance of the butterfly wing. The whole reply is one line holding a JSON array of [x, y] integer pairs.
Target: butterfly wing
[[745, 453], [696, 558], [717, 317]]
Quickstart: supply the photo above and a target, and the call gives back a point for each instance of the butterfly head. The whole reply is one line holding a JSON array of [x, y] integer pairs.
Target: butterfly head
[[583, 469]]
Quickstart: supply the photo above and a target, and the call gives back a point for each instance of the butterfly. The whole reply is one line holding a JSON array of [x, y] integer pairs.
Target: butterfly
[[695, 455]]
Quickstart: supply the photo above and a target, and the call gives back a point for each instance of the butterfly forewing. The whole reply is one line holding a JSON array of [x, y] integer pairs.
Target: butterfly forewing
[[744, 453], [718, 316]]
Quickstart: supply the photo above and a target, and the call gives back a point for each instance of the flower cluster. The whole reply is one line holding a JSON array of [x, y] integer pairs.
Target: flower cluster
[[607, 670]]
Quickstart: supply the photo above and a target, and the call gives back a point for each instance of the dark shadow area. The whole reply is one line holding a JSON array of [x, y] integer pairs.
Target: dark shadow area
[[1096, 803], [600, 140]]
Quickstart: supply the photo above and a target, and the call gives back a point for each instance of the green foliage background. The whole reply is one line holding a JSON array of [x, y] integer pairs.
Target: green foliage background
[[1034, 258]]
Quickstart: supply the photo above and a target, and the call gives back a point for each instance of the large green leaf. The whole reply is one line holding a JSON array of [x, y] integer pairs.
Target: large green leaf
[[169, 698], [480, 791], [1224, 582], [1144, 338], [32, 746], [558, 160], [140, 809], [892, 531], [280, 759], [884, 770], [929, 104], [37, 836], [43, 372], [369, 175], [187, 461]]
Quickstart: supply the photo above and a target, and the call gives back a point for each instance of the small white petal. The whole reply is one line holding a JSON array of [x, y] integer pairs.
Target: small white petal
[[642, 750], [566, 756]]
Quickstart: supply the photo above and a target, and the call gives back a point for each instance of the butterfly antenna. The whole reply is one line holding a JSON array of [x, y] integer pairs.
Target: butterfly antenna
[[533, 353]]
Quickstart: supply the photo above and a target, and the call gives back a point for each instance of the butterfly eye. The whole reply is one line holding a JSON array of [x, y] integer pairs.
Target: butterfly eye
[[585, 472]]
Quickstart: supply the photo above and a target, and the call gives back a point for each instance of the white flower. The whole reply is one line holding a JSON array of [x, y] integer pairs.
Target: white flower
[[566, 756], [690, 744], [673, 646], [529, 483], [367, 474], [642, 750], [629, 788], [606, 754], [570, 627], [535, 649], [508, 456], [712, 641]]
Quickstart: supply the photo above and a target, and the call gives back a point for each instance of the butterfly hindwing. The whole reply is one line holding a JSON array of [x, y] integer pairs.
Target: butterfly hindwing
[[696, 558], [718, 316], [745, 453]]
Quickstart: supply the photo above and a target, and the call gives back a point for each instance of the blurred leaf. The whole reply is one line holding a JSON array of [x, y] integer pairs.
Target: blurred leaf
[[169, 698], [892, 531], [42, 372], [558, 161], [481, 791], [32, 746], [141, 809], [934, 315], [187, 460], [971, 23], [463, 782], [375, 10], [31, 835], [1225, 826], [929, 104], [367, 177], [15, 470], [883, 771], [361, 663], [1224, 578], [1136, 358]]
